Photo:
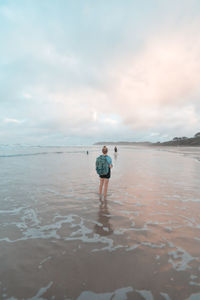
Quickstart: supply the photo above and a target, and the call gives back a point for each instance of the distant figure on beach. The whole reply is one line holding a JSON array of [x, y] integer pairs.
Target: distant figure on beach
[[103, 167], [87, 152], [115, 149]]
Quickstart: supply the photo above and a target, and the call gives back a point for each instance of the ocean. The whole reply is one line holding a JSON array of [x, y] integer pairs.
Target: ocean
[[59, 240]]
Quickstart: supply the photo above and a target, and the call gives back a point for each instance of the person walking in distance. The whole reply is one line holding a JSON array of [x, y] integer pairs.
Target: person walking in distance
[[103, 168]]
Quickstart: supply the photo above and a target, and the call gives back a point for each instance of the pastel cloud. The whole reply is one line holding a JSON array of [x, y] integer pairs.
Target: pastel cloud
[[96, 77], [161, 83], [12, 121]]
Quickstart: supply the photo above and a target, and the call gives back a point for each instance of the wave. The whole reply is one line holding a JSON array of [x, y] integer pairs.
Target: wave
[[184, 151], [39, 153], [25, 154]]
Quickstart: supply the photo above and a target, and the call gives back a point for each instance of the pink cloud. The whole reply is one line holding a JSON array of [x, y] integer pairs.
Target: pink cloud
[[159, 84]]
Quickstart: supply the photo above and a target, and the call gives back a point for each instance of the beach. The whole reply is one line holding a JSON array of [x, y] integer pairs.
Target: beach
[[59, 240]]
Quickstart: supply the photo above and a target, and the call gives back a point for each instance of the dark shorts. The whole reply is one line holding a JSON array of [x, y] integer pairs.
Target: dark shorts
[[106, 176]]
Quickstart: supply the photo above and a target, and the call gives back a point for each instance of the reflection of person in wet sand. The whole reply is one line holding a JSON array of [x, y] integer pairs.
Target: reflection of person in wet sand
[[103, 226]]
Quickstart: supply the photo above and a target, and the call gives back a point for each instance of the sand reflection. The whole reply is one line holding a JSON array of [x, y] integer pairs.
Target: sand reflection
[[115, 156], [141, 243], [103, 226]]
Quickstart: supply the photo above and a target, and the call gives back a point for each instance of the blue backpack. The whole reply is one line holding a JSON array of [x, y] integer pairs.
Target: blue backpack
[[102, 166]]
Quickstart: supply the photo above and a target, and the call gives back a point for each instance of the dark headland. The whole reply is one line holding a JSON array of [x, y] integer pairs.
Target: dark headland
[[176, 141]]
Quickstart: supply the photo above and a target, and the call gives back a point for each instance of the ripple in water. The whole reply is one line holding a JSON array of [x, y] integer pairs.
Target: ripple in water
[[60, 241]]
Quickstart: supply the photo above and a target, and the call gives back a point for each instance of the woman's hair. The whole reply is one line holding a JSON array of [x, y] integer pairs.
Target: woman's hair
[[104, 149]]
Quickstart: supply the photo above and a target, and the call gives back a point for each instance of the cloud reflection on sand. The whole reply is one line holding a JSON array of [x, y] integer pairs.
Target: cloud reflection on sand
[[142, 242]]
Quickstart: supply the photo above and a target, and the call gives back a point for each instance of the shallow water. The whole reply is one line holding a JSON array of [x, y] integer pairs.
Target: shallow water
[[59, 241]]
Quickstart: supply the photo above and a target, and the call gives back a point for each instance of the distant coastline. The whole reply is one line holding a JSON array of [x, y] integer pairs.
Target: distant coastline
[[176, 141], [124, 143]]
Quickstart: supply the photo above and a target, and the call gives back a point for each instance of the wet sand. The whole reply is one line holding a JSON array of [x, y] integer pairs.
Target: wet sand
[[59, 241]]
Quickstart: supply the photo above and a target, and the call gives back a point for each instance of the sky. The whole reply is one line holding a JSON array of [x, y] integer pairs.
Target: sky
[[82, 71]]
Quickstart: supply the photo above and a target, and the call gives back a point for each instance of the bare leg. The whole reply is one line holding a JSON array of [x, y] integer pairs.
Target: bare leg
[[106, 187], [101, 185]]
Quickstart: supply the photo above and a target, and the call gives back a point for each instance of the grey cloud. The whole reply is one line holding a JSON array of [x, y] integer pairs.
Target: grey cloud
[[61, 64]]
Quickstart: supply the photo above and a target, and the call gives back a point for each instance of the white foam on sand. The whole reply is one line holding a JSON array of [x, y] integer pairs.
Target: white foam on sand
[[152, 213], [116, 295]]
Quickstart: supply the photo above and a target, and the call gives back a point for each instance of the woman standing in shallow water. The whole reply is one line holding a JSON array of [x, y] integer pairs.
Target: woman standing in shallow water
[[104, 179]]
